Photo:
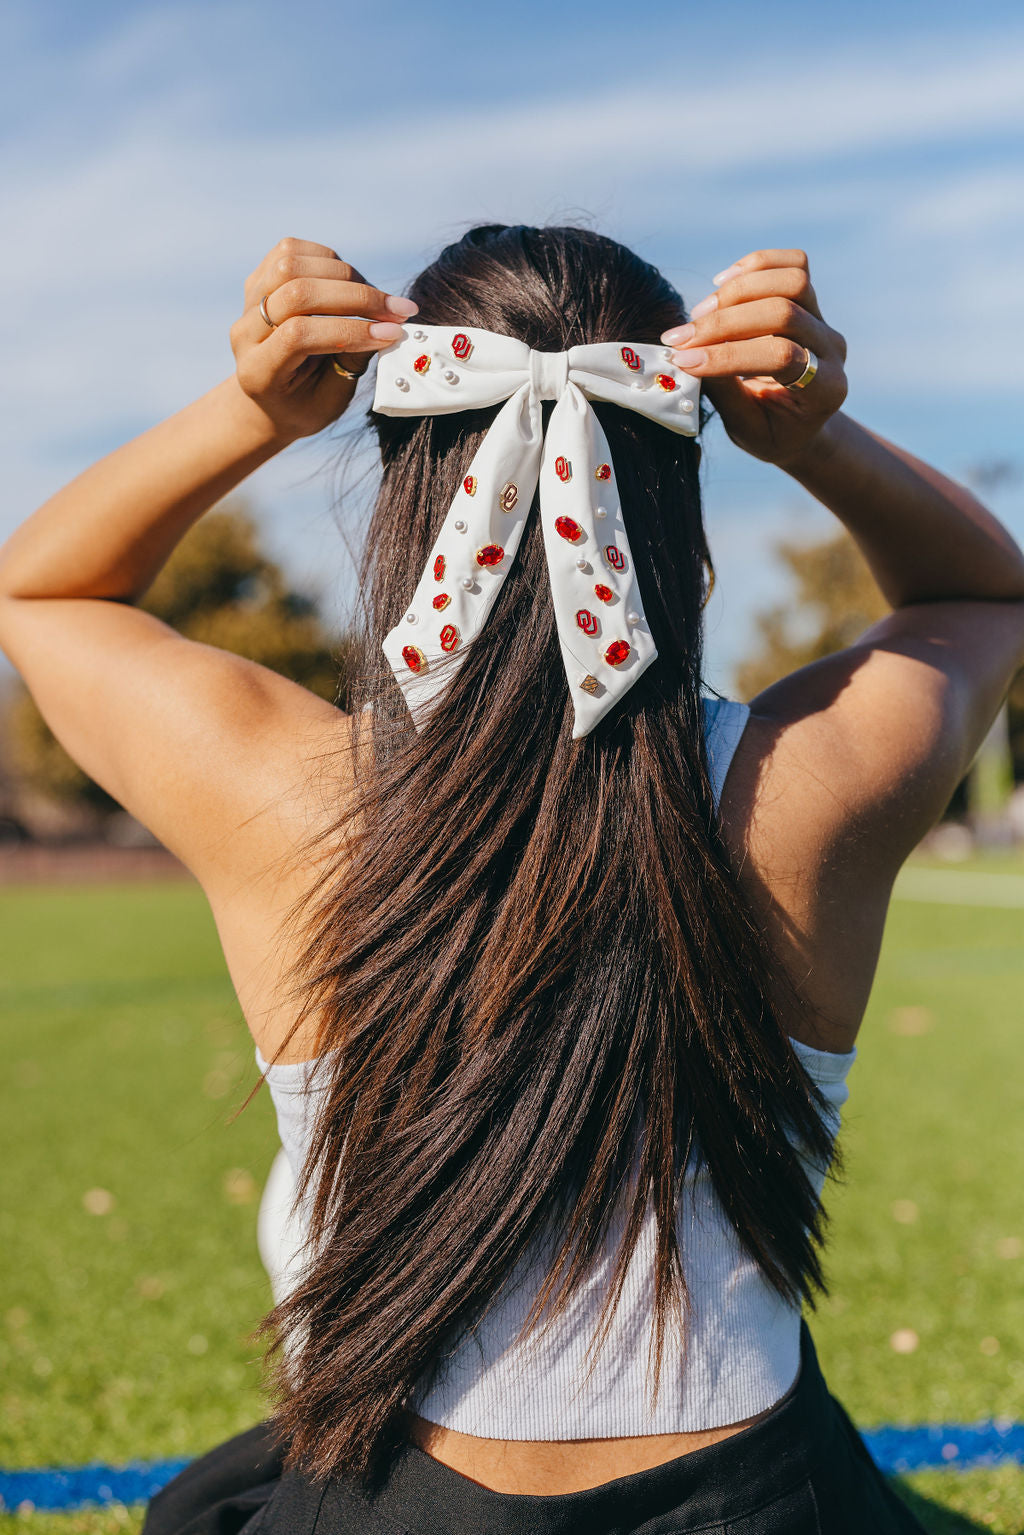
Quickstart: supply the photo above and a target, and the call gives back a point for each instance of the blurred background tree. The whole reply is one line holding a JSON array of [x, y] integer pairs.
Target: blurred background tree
[[218, 587]]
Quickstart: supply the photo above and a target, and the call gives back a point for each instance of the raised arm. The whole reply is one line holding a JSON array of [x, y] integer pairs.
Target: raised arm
[[186, 736], [879, 734]]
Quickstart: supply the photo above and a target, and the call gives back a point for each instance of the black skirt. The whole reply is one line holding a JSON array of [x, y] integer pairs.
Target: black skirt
[[802, 1470]]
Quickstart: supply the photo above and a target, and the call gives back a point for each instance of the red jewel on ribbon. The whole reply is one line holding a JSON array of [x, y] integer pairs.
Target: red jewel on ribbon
[[469, 484], [615, 557], [566, 527], [563, 468], [603, 472], [422, 363], [665, 381], [617, 652], [440, 565], [450, 637], [441, 601], [461, 346], [490, 554], [604, 592], [586, 620], [414, 658]]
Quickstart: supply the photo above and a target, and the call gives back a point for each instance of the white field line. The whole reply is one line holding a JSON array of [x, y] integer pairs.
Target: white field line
[[950, 888]]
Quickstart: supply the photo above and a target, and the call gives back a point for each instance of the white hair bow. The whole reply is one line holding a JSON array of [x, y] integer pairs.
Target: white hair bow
[[605, 640]]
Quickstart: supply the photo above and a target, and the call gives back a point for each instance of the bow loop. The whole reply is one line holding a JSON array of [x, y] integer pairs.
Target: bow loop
[[603, 634]]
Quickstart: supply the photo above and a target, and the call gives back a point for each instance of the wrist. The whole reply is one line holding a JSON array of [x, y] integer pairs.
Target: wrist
[[818, 449], [257, 432]]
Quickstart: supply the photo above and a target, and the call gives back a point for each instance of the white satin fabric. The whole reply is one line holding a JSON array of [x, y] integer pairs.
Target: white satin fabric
[[605, 640]]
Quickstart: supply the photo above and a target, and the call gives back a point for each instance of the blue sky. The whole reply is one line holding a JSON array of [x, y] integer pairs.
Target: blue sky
[[154, 152]]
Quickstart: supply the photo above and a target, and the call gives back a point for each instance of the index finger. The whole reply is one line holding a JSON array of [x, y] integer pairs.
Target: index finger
[[762, 261]]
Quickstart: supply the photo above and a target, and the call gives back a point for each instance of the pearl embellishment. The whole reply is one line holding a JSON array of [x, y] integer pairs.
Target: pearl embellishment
[[460, 526], [632, 618], [582, 562], [410, 618], [687, 406], [468, 583], [450, 376], [601, 512], [401, 383], [420, 335]]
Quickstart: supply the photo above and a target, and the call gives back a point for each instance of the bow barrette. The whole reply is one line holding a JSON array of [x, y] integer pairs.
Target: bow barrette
[[605, 640]]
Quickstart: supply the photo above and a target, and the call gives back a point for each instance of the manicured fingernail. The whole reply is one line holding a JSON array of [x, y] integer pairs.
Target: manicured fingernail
[[383, 330], [403, 306], [706, 306], [679, 335], [693, 358], [721, 277]]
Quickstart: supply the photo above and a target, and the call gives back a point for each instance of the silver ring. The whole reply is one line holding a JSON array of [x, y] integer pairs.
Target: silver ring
[[263, 311], [809, 371]]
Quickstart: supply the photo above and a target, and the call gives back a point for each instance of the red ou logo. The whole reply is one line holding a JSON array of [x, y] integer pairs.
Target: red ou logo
[[615, 557], [439, 568], [587, 621], [630, 358], [563, 468], [461, 346], [449, 637]]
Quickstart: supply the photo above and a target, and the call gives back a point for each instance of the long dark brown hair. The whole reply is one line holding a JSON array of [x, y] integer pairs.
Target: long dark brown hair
[[527, 958]]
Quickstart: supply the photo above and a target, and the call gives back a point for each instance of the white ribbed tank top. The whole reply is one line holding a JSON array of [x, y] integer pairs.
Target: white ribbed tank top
[[741, 1351]]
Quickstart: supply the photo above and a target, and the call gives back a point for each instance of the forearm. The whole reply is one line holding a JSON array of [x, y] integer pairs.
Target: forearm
[[925, 537], [108, 532]]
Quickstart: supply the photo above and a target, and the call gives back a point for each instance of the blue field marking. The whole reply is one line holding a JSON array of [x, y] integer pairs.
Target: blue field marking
[[944, 1446], [67, 1487]]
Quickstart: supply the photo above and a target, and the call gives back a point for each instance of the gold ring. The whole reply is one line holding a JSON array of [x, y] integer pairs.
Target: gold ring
[[343, 371], [809, 371], [263, 311]]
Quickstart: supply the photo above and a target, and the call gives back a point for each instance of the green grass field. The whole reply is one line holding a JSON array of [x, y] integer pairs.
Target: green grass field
[[130, 1282]]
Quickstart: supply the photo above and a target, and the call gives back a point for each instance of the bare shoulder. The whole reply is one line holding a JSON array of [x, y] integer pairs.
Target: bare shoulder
[[842, 768]]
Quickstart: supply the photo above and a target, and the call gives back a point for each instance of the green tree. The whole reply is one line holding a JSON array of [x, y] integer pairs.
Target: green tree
[[218, 587], [834, 599]]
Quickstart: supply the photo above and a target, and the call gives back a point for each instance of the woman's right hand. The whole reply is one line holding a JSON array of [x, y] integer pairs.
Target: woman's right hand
[[746, 344], [322, 308]]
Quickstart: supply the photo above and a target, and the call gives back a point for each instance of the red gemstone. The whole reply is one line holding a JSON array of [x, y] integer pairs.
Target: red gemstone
[[603, 472], [450, 637], [414, 658], [617, 652], [563, 468], [441, 601], [630, 358], [490, 554], [422, 363], [469, 484], [565, 527], [665, 381], [461, 346], [586, 620], [440, 565], [604, 592], [615, 557]]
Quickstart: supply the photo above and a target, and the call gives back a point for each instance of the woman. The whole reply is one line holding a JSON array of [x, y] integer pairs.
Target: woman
[[581, 1006]]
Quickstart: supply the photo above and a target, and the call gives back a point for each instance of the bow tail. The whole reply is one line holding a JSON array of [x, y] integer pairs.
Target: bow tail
[[605, 639], [470, 559]]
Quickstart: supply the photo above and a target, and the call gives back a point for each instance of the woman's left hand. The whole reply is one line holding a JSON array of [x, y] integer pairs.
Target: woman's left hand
[[321, 309], [746, 343]]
